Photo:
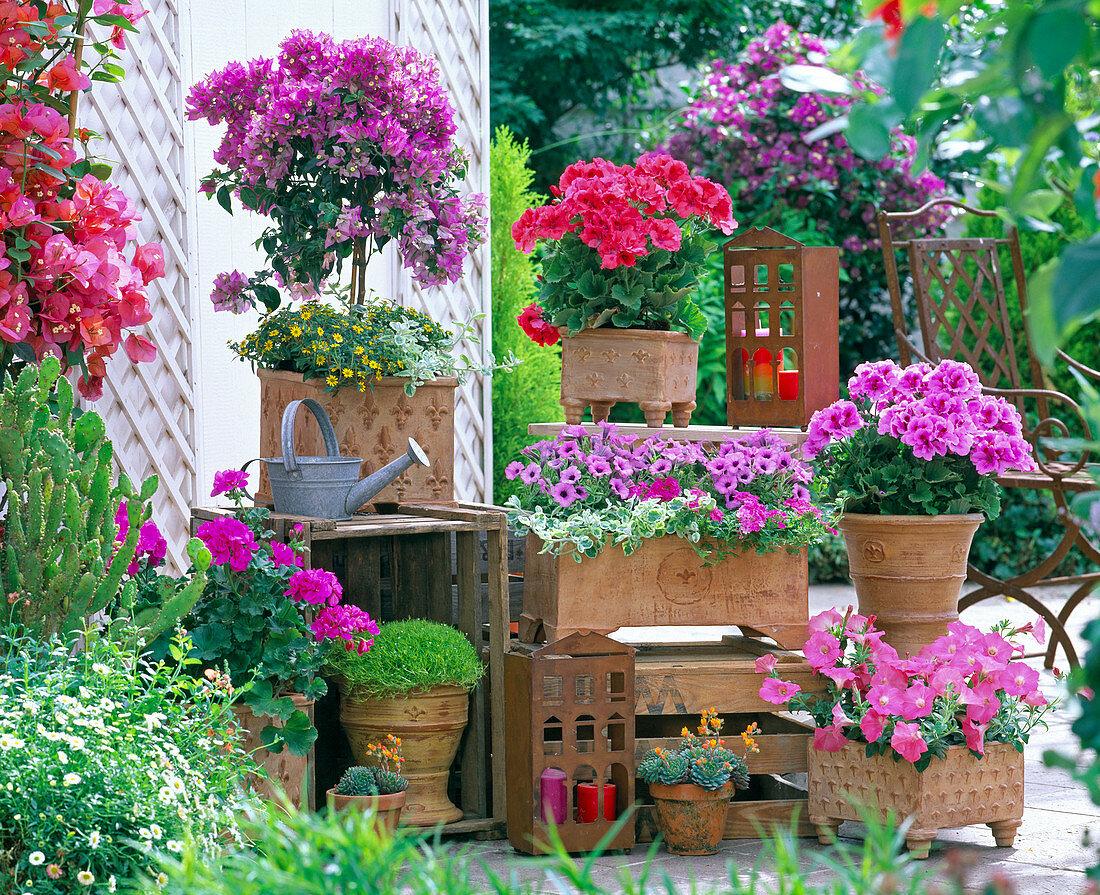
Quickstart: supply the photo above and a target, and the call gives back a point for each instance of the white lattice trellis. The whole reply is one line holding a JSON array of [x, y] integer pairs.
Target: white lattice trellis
[[149, 408], [455, 32]]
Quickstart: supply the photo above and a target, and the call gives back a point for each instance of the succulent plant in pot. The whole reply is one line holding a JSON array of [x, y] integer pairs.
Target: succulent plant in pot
[[415, 683], [378, 787], [691, 785]]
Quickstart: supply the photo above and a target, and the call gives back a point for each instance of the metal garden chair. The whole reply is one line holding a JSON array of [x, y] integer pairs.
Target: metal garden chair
[[962, 313]]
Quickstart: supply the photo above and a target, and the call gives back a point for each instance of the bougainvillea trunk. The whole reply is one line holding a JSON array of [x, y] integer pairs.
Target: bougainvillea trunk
[[908, 572]]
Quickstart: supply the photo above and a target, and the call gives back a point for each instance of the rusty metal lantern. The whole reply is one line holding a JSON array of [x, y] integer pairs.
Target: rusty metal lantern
[[569, 709], [782, 329]]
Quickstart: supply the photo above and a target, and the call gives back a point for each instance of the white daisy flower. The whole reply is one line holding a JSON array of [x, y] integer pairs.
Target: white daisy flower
[[63, 756], [71, 779], [94, 838], [36, 858], [162, 879], [156, 831], [100, 668], [112, 884], [85, 877], [174, 845]]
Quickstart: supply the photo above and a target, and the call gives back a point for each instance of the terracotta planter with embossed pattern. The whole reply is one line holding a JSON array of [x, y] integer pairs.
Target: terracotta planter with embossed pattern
[[655, 370], [908, 572], [373, 425]]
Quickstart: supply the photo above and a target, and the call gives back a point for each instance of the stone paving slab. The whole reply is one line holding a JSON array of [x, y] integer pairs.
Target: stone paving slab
[[1055, 845]]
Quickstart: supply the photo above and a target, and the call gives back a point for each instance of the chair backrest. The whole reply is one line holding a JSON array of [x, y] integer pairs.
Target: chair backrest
[[959, 296]]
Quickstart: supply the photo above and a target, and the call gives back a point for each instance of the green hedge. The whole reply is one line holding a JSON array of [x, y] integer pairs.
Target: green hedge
[[530, 392]]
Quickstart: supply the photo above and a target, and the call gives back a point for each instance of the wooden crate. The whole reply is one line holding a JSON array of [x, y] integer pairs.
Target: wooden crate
[[673, 683], [422, 562]]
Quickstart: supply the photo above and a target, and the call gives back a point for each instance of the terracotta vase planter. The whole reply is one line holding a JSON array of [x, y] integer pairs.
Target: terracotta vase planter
[[691, 819], [655, 370], [664, 582], [954, 792], [908, 572], [386, 808], [373, 425], [290, 772], [430, 726]]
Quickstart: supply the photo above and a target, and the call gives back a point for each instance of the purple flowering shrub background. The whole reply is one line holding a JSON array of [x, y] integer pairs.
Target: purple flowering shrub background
[[745, 130], [921, 440], [338, 141], [579, 492]]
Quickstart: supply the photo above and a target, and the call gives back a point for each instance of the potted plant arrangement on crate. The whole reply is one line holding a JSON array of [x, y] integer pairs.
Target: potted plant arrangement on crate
[[363, 156], [910, 462], [938, 737], [378, 787], [692, 785], [414, 683], [665, 532], [268, 623], [624, 247]]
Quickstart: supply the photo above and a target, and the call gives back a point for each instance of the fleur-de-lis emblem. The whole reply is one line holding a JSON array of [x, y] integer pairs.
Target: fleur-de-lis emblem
[[383, 450], [402, 483], [594, 379], [641, 355], [367, 415], [438, 480], [610, 355], [874, 551], [686, 576], [624, 379], [414, 713], [436, 410], [402, 410], [583, 354]]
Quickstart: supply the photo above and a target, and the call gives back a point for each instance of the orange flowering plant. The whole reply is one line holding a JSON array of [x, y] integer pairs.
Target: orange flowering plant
[[701, 758]]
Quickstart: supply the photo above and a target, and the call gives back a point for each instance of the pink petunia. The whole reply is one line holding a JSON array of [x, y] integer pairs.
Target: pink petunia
[[872, 724], [885, 698], [917, 701], [778, 692], [907, 741], [830, 739], [764, 664], [822, 650]]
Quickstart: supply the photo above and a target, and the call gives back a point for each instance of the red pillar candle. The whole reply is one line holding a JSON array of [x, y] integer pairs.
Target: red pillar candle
[[588, 795], [788, 385]]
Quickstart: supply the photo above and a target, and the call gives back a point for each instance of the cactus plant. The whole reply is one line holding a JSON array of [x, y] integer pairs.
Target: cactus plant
[[59, 561], [703, 760], [709, 772], [357, 781]]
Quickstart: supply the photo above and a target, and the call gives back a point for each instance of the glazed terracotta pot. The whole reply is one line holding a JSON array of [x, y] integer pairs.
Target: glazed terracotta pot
[[374, 425], [655, 370], [691, 819], [290, 772], [386, 808], [908, 572], [430, 726], [955, 791], [664, 582]]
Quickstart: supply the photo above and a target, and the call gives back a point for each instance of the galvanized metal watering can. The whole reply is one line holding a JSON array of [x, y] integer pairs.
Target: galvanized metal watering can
[[327, 487]]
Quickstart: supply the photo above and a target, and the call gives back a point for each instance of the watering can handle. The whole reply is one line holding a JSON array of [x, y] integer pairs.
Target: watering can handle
[[259, 503], [290, 459]]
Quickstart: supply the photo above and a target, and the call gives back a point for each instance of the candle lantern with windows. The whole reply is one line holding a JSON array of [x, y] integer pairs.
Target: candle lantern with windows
[[782, 329], [569, 707]]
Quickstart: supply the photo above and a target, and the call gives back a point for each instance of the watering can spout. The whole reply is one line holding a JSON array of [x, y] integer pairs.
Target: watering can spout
[[365, 489]]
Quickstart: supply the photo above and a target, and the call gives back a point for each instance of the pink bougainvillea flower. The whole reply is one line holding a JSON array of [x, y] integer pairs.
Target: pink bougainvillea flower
[[139, 349], [907, 741], [778, 692]]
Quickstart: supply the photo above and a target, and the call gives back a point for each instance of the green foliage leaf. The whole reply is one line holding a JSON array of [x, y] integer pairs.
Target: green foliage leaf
[[1076, 289], [1055, 37], [918, 59], [225, 198], [869, 127]]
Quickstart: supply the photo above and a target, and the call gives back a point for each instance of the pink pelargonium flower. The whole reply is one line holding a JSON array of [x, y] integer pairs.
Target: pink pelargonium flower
[[778, 692], [317, 587], [907, 741], [284, 555], [229, 541], [228, 480], [347, 623]]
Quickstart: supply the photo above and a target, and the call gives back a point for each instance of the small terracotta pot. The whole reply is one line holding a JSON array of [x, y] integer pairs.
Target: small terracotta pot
[[430, 726], [283, 768], [386, 808], [653, 369], [908, 572], [691, 819]]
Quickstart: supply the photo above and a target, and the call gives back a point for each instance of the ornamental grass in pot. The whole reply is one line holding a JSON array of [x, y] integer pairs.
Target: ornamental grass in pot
[[910, 462], [692, 785], [377, 788], [937, 737], [666, 532], [623, 250], [414, 683]]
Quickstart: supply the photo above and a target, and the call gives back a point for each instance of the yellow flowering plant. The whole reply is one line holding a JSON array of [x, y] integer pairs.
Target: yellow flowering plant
[[352, 345]]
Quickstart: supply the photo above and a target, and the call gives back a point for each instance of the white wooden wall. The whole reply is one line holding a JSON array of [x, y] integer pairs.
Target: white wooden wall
[[196, 410]]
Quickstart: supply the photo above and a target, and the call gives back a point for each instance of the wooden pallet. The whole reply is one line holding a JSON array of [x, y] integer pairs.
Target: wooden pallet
[[422, 561]]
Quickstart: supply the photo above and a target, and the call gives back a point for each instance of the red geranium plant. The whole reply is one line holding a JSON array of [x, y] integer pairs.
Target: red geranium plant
[[69, 284], [624, 247]]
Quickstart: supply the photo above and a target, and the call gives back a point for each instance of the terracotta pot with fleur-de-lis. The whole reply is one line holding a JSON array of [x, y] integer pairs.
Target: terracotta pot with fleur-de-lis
[[653, 369], [908, 572], [430, 725], [374, 424]]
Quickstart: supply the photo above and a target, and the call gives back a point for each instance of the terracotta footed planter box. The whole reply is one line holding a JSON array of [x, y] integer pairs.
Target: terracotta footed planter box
[[664, 582], [430, 726], [372, 425], [953, 792], [285, 770], [655, 370], [908, 572]]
